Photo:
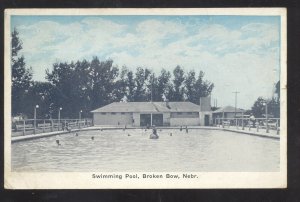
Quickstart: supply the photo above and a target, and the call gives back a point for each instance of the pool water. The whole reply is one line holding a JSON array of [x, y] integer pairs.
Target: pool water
[[198, 150]]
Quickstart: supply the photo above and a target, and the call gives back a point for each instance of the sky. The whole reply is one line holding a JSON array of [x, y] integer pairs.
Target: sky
[[236, 53]]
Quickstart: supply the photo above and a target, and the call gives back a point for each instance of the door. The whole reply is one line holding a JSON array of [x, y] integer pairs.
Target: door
[[145, 119], [157, 119], [206, 120]]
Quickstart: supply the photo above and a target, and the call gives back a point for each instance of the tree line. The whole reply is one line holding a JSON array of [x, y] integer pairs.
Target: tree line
[[87, 85]]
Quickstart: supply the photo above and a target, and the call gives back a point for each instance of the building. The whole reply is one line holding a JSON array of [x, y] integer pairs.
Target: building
[[152, 113], [227, 112]]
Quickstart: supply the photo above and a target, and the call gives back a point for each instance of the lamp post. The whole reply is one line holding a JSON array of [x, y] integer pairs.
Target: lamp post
[[34, 116], [79, 118], [266, 108], [59, 117]]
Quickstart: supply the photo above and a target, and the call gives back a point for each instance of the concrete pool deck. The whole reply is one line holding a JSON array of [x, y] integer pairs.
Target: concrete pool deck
[[262, 133]]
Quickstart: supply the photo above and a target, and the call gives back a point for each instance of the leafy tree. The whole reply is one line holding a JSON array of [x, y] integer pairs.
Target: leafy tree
[[40, 93], [190, 84], [178, 91], [141, 78], [202, 88], [163, 84], [259, 108], [21, 76], [277, 90], [104, 75]]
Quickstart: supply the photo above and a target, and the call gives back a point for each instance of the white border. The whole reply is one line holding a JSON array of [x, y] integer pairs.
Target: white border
[[82, 180]]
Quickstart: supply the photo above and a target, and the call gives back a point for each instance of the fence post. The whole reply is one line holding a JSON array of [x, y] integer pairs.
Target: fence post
[[236, 123], [24, 127], [257, 126], [243, 123], [223, 123], [51, 125], [249, 124]]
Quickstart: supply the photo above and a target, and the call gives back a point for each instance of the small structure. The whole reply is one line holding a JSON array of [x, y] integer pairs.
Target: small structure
[[228, 112], [148, 113]]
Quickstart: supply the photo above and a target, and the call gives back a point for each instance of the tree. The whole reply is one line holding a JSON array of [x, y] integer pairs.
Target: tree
[[104, 75], [141, 78], [202, 88], [258, 108], [177, 95], [163, 84], [21, 76], [277, 90], [40, 93], [190, 84]]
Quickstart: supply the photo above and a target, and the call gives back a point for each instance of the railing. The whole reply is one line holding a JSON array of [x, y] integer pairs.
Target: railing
[[36, 126], [257, 124]]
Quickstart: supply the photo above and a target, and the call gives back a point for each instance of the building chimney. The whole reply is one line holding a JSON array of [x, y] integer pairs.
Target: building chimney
[[205, 103]]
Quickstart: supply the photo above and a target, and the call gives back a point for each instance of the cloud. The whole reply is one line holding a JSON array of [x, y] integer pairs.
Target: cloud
[[240, 58]]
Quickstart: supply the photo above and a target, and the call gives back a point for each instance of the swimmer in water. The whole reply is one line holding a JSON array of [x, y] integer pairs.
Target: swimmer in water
[[170, 134], [92, 137], [154, 134], [128, 134], [76, 134], [57, 140]]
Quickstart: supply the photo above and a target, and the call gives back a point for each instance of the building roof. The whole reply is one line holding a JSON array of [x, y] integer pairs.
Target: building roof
[[228, 109], [149, 107]]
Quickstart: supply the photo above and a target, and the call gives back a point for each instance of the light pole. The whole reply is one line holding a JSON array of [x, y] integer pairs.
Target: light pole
[[235, 106], [79, 118], [34, 116], [80, 114], [59, 117], [267, 124]]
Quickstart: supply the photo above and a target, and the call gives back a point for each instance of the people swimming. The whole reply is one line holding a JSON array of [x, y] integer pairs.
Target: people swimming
[[154, 134], [57, 140], [92, 137], [76, 134], [171, 134], [128, 134]]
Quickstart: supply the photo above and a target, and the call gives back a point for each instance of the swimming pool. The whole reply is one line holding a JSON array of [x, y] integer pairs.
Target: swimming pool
[[199, 150]]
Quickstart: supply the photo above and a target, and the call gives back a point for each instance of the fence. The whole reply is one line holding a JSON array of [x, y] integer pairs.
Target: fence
[[36, 126], [257, 124]]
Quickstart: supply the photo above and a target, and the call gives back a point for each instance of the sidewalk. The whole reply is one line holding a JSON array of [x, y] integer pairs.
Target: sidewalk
[[253, 131]]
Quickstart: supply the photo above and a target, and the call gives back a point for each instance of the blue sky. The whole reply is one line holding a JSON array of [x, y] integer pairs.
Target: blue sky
[[235, 52]]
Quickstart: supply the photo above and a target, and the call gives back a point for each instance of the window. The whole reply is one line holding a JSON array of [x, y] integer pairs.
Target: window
[[113, 113], [103, 113]]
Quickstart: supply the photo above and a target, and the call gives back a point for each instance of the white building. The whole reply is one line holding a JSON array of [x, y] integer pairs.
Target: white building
[[153, 113]]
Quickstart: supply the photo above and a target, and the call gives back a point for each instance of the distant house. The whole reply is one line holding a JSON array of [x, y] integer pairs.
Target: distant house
[[150, 113], [227, 112]]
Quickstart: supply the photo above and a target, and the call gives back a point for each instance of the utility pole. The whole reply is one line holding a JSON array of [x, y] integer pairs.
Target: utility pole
[[235, 105]]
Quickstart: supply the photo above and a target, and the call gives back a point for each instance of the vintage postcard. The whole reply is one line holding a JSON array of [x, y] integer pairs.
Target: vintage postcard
[[145, 98]]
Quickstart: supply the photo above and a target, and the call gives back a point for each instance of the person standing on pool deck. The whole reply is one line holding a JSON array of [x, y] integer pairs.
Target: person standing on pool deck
[[180, 128], [186, 129]]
